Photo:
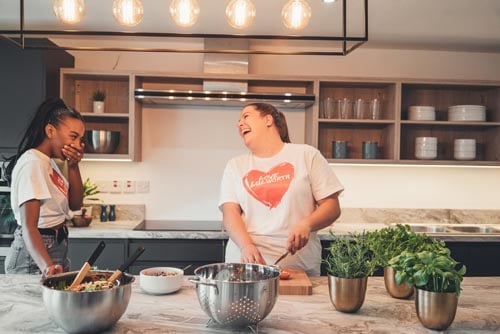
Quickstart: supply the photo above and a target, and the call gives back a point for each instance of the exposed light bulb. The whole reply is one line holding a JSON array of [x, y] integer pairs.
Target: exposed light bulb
[[296, 14], [128, 13], [69, 11], [185, 13], [240, 13]]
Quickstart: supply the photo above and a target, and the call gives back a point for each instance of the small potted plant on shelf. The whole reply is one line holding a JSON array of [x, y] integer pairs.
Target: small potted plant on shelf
[[349, 263], [392, 241], [437, 279], [84, 216], [98, 101]]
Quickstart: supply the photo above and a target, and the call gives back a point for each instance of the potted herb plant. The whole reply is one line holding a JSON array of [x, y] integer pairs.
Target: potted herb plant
[[349, 263], [98, 101], [392, 241], [437, 279], [84, 216]]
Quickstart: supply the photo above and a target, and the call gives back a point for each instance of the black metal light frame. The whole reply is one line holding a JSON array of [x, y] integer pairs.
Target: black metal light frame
[[344, 39]]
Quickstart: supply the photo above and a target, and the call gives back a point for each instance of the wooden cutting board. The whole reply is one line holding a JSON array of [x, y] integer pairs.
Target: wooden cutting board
[[298, 283]]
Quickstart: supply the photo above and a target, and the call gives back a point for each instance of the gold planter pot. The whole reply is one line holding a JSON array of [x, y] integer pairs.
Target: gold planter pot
[[436, 310], [401, 291], [347, 294]]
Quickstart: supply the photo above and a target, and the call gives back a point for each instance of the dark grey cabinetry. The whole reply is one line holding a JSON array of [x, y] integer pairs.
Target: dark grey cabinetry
[[177, 253], [113, 255], [27, 77]]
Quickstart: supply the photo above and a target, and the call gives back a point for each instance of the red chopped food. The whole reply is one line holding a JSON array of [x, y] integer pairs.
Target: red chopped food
[[285, 274]]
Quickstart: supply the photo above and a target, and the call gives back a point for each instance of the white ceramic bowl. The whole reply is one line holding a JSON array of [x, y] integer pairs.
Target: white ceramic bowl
[[161, 280], [464, 144], [426, 154], [421, 113], [467, 113], [464, 155]]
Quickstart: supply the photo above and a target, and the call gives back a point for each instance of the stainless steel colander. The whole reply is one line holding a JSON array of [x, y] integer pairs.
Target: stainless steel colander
[[236, 294]]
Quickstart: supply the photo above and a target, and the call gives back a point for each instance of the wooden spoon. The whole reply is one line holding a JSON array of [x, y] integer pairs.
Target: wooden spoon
[[86, 266]]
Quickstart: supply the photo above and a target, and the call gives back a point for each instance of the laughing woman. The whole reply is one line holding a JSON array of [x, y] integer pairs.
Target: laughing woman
[[276, 197], [41, 196]]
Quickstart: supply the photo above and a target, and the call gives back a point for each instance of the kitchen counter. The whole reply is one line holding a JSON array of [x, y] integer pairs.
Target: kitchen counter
[[22, 311], [156, 229]]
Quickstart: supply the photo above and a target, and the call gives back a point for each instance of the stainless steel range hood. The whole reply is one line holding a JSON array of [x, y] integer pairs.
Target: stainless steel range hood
[[222, 98]]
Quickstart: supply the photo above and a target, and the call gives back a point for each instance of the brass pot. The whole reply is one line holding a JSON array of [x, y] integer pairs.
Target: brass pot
[[401, 291], [436, 310], [347, 294]]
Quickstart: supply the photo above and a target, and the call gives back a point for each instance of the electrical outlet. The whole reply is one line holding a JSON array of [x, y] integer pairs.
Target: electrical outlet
[[104, 186], [128, 186], [142, 186], [115, 187]]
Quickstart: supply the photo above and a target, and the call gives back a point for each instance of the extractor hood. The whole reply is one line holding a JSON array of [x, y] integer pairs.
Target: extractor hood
[[221, 98]]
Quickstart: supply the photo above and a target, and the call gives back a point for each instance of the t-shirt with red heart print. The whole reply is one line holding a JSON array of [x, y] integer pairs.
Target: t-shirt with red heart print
[[274, 194]]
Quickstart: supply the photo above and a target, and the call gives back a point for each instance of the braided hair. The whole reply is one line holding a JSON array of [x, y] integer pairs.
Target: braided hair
[[51, 111], [278, 117]]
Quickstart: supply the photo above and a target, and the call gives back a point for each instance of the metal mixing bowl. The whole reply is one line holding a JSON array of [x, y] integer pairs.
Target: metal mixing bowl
[[237, 294], [86, 312], [101, 141]]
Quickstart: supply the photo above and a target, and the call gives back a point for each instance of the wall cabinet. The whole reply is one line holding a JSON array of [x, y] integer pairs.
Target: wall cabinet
[[120, 112], [27, 78], [395, 133]]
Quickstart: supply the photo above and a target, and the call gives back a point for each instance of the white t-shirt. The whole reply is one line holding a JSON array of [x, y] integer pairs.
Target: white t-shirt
[[36, 176], [275, 194]]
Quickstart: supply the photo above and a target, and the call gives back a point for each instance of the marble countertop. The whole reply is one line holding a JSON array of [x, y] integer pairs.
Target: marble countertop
[[22, 311], [132, 229]]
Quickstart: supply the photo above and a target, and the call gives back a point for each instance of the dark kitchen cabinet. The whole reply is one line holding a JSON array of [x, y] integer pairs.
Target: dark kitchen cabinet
[[112, 257], [27, 78], [177, 253]]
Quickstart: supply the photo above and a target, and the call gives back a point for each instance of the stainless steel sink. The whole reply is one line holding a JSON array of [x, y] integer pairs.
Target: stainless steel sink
[[475, 229], [429, 228]]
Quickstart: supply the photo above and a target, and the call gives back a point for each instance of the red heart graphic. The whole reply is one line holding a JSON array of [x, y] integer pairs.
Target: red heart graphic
[[269, 188]]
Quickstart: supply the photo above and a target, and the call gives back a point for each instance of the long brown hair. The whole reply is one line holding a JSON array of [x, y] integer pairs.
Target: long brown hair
[[278, 117]]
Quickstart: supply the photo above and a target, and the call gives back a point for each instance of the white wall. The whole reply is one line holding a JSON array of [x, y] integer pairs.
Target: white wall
[[185, 149]]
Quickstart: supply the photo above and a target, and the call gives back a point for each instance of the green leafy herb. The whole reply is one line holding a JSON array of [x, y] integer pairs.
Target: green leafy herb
[[433, 271], [99, 95], [90, 189], [392, 241], [350, 257]]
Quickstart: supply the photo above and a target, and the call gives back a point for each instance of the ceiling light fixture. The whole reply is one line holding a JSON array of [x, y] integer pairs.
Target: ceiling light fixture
[[128, 13], [240, 13], [185, 13], [337, 38], [296, 14], [69, 11]]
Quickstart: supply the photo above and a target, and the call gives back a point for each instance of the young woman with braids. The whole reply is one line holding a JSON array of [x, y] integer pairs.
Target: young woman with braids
[[275, 197], [41, 196]]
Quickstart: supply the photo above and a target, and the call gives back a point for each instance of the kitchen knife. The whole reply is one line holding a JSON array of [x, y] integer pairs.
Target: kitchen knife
[[86, 266], [118, 272], [281, 258]]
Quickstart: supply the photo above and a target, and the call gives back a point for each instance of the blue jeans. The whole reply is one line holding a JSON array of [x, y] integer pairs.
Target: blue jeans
[[19, 260]]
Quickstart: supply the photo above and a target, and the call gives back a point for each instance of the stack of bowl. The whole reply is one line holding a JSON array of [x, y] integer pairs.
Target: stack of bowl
[[464, 149], [421, 113], [467, 113], [426, 148]]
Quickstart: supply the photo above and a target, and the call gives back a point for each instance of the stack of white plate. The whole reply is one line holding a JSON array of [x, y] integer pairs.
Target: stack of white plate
[[426, 148], [421, 113], [467, 113], [464, 149]]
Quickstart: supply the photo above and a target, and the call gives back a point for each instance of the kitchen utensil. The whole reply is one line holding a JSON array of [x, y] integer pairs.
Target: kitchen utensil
[[118, 272], [161, 280], [86, 266], [86, 311], [281, 258], [236, 294], [102, 141], [298, 283]]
